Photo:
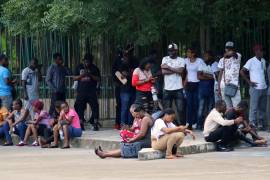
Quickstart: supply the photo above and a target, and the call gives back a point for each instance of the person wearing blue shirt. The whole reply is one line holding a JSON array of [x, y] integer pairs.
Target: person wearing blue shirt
[[5, 82]]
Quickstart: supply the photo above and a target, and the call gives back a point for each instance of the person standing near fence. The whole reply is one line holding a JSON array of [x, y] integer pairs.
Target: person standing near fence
[[172, 68], [5, 83], [192, 86], [88, 75], [256, 67], [55, 79], [228, 80], [30, 83]]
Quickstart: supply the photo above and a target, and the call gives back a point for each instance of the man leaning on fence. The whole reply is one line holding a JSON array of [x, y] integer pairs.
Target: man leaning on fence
[[55, 79]]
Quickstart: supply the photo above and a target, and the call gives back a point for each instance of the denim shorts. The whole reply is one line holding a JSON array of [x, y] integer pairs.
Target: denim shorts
[[74, 132]]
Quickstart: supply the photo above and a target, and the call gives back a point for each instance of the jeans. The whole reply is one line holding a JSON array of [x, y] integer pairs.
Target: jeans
[[178, 97], [56, 96], [258, 102], [127, 98], [81, 102], [4, 131], [6, 101], [118, 105], [145, 100], [20, 130], [205, 102], [192, 105], [226, 135]]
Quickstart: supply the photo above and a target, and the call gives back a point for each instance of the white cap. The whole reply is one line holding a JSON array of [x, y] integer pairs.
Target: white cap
[[229, 44], [173, 46]]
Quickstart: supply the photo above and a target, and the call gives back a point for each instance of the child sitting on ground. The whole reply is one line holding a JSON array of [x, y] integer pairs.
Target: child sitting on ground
[[37, 126], [4, 126]]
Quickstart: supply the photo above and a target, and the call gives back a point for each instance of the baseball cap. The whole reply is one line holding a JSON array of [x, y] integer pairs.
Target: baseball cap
[[229, 44], [173, 46]]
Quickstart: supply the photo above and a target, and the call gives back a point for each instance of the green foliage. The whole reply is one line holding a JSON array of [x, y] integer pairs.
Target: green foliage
[[142, 21]]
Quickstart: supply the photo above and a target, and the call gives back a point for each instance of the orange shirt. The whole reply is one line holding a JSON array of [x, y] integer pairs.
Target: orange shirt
[[3, 115]]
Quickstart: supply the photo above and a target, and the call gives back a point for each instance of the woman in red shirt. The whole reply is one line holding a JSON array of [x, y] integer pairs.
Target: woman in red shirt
[[143, 80]]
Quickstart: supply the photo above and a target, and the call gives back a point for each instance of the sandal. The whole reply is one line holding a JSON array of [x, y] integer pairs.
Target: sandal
[[35, 143], [21, 144]]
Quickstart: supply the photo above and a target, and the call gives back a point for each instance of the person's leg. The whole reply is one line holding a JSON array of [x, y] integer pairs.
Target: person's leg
[[124, 108], [227, 99], [189, 107], [262, 109], [53, 100], [7, 133], [254, 100], [20, 130], [174, 139], [195, 104], [7, 101], [93, 101], [118, 106], [237, 98], [202, 100], [80, 108], [34, 131], [178, 99], [104, 154], [27, 133], [55, 136], [161, 143], [66, 135], [167, 99], [268, 112]]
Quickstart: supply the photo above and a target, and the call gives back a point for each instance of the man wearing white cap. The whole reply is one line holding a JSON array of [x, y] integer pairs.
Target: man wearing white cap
[[172, 68], [228, 81]]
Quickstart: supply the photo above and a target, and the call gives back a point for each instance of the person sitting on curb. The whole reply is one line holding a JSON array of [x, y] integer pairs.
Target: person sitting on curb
[[18, 118], [37, 126], [240, 111], [133, 145], [48, 134], [219, 130], [165, 135], [68, 124], [4, 126]]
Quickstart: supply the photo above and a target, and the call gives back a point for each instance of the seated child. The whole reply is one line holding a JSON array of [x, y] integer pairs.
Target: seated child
[[38, 125], [69, 124]]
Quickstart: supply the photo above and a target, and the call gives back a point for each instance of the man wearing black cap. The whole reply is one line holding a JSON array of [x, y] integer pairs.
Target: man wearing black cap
[[228, 80], [172, 68], [88, 76]]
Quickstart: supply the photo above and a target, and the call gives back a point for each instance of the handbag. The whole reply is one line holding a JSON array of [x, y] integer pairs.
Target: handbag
[[230, 89]]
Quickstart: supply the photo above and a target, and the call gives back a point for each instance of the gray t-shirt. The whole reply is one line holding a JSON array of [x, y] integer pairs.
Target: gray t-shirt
[[32, 84]]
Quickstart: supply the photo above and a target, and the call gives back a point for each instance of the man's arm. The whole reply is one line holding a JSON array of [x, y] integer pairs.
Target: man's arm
[[22, 118], [49, 77], [205, 76], [244, 73]]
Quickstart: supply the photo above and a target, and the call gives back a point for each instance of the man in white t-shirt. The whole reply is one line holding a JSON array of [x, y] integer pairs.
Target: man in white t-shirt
[[229, 73], [30, 81], [172, 68], [256, 67]]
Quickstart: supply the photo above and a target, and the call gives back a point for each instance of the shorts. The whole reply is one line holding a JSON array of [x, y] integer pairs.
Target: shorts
[[74, 132]]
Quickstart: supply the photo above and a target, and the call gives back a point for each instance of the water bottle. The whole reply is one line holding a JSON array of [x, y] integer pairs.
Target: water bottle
[[154, 93], [61, 134]]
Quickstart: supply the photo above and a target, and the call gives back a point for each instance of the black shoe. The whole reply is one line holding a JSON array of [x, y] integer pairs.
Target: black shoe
[[222, 148], [8, 144], [190, 127], [95, 127]]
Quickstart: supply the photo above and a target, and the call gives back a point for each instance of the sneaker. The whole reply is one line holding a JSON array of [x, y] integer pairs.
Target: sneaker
[[35, 143], [21, 143]]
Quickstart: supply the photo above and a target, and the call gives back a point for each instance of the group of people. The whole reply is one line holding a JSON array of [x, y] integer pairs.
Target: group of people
[[26, 116], [193, 83]]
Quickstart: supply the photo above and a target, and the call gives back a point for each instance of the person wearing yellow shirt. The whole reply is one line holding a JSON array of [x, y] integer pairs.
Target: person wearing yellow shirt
[[4, 126]]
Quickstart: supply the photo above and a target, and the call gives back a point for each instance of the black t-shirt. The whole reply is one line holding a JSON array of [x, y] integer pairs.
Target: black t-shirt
[[87, 83]]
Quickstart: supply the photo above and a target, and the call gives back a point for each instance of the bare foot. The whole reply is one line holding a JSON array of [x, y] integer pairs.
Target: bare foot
[[171, 157], [261, 142]]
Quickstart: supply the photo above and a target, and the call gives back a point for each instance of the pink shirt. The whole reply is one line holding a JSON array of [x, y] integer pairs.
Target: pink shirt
[[45, 118], [76, 120]]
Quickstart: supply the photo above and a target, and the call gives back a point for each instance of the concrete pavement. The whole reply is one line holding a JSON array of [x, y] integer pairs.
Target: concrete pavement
[[33, 163]]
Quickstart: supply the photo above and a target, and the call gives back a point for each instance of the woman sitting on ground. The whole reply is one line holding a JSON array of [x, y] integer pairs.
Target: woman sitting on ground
[[165, 135], [37, 126], [142, 128], [69, 124], [4, 126], [18, 118]]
